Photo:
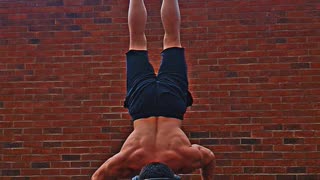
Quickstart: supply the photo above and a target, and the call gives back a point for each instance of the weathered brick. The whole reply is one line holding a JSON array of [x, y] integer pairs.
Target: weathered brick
[[293, 140], [73, 15], [273, 127], [40, 165], [70, 157], [300, 65], [286, 177], [74, 28], [199, 134], [231, 74], [52, 144], [4, 41], [102, 20], [253, 169], [55, 3], [12, 144], [11, 172], [209, 141], [308, 177], [296, 170], [241, 134], [52, 130], [92, 2], [34, 41], [250, 141], [280, 40]]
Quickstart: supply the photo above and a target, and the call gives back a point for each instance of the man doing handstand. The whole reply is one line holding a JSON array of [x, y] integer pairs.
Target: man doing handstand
[[157, 104]]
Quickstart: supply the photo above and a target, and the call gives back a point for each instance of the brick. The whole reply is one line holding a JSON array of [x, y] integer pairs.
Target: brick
[[199, 134], [280, 40], [262, 148], [52, 144], [308, 177], [292, 127], [70, 157], [250, 141], [239, 93], [296, 170], [4, 42], [80, 164], [102, 20], [253, 170], [292, 141], [241, 134], [286, 177], [300, 65], [273, 127], [55, 3], [74, 28], [73, 15], [92, 2], [12, 145], [10, 172], [220, 134], [34, 41], [209, 141], [52, 130], [275, 170], [231, 74], [223, 177], [40, 165], [1, 104]]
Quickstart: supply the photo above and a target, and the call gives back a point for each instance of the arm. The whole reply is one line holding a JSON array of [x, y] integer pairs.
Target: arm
[[207, 170], [109, 169], [207, 162]]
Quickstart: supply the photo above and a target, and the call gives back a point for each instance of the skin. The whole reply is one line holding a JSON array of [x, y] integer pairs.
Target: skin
[[156, 139]]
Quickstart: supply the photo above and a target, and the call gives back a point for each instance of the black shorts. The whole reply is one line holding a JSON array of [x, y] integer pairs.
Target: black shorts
[[165, 94]]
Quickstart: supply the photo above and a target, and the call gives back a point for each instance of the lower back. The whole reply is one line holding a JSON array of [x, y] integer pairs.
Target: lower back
[[160, 132]]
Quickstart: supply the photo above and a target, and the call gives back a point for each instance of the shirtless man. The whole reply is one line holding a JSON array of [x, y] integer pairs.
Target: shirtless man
[[157, 104]]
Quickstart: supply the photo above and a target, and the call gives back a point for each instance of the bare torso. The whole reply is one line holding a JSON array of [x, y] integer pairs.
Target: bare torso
[[157, 139]]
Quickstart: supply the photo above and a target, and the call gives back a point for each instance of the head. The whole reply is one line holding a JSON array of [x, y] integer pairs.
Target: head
[[157, 170]]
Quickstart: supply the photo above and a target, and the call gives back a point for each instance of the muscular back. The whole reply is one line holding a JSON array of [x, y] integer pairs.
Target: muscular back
[[157, 133], [157, 139]]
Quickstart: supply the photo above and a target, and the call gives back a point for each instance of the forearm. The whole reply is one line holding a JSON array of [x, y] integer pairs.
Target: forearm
[[104, 172], [207, 171], [96, 177]]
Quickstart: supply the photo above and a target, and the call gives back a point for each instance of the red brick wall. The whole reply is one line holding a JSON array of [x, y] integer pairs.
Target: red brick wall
[[254, 70]]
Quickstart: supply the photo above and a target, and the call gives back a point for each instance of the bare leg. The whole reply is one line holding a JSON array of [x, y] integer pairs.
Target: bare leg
[[171, 20], [137, 18]]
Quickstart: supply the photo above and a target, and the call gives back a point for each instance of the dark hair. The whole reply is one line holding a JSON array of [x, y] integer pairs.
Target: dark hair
[[156, 170]]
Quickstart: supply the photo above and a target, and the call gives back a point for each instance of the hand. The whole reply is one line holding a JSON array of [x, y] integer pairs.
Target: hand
[[207, 171]]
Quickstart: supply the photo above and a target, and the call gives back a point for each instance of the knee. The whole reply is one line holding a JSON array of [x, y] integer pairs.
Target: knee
[[171, 40], [138, 42], [172, 37]]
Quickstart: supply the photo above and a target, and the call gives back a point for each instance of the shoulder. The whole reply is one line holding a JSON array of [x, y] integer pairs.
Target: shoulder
[[205, 154], [187, 159], [198, 154], [122, 164]]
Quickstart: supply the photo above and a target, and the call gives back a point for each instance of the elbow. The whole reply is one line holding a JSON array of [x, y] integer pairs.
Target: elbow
[[97, 176], [212, 156], [213, 159]]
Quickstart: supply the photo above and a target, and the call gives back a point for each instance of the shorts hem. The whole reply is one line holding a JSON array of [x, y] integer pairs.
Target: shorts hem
[[146, 115]]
